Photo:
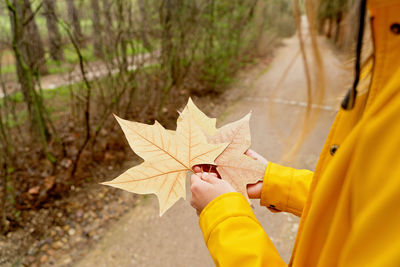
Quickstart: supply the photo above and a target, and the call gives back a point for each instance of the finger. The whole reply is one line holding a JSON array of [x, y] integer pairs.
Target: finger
[[196, 168], [212, 179], [204, 168], [201, 174], [204, 174], [194, 178], [214, 171], [213, 174], [251, 153], [197, 185], [254, 190], [256, 156]]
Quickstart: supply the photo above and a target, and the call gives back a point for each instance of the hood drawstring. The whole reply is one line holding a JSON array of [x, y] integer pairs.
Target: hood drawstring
[[350, 98]]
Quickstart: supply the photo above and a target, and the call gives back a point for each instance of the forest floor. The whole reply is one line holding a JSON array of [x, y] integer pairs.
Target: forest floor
[[141, 238]]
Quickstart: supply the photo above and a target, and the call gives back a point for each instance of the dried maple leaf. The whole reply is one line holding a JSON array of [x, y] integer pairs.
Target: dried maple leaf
[[202, 120], [233, 165], [168, 156]]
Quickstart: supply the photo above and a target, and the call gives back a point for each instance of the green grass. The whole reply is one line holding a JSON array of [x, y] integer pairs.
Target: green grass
[[21, 117], [71, 58], [56, 67], [15, 98], [62, 92], [8, 69], [52, 96]]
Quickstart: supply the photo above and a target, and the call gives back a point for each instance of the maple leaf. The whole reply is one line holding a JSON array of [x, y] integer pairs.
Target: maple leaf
[[168, 157], [233, 165], [202, 120]]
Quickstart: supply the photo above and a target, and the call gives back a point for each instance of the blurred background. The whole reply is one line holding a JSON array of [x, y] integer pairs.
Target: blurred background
[[67, 65]]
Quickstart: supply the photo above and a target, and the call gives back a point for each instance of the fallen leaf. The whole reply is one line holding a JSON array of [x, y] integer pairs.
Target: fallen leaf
[[233, 165], [49, 182], [168, 157], [34, 190]]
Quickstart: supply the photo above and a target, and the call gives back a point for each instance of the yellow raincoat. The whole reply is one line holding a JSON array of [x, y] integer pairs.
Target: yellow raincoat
[[350, 205]]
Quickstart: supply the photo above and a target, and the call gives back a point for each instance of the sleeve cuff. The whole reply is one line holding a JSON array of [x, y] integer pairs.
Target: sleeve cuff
[[276, 187], [223, 207], [285, 189]]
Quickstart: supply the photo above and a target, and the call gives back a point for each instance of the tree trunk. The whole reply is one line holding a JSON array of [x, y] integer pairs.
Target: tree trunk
[[4, 223], [97, 29], [144, 24], [25, 71], [122, 30], [56, 51], [75, 22], [166, 35], [31, 37], [108, 29]]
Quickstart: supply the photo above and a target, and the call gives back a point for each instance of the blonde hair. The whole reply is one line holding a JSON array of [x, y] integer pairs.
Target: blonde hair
[[313, 66]]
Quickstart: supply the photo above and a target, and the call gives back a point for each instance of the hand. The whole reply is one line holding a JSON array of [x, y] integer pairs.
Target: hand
[[205, 187], [252, 154], [201, 168], [254, 190]]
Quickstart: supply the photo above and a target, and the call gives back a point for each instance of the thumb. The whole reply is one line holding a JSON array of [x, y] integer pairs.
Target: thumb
[[209, 178], [194, 178]]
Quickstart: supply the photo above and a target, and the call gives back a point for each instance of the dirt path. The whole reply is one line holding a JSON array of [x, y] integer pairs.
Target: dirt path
[[93, 70], [141, 238]]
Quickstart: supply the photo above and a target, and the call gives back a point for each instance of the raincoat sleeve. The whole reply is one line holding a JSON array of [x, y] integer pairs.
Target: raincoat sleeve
[[234, 236], [285, 188]]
